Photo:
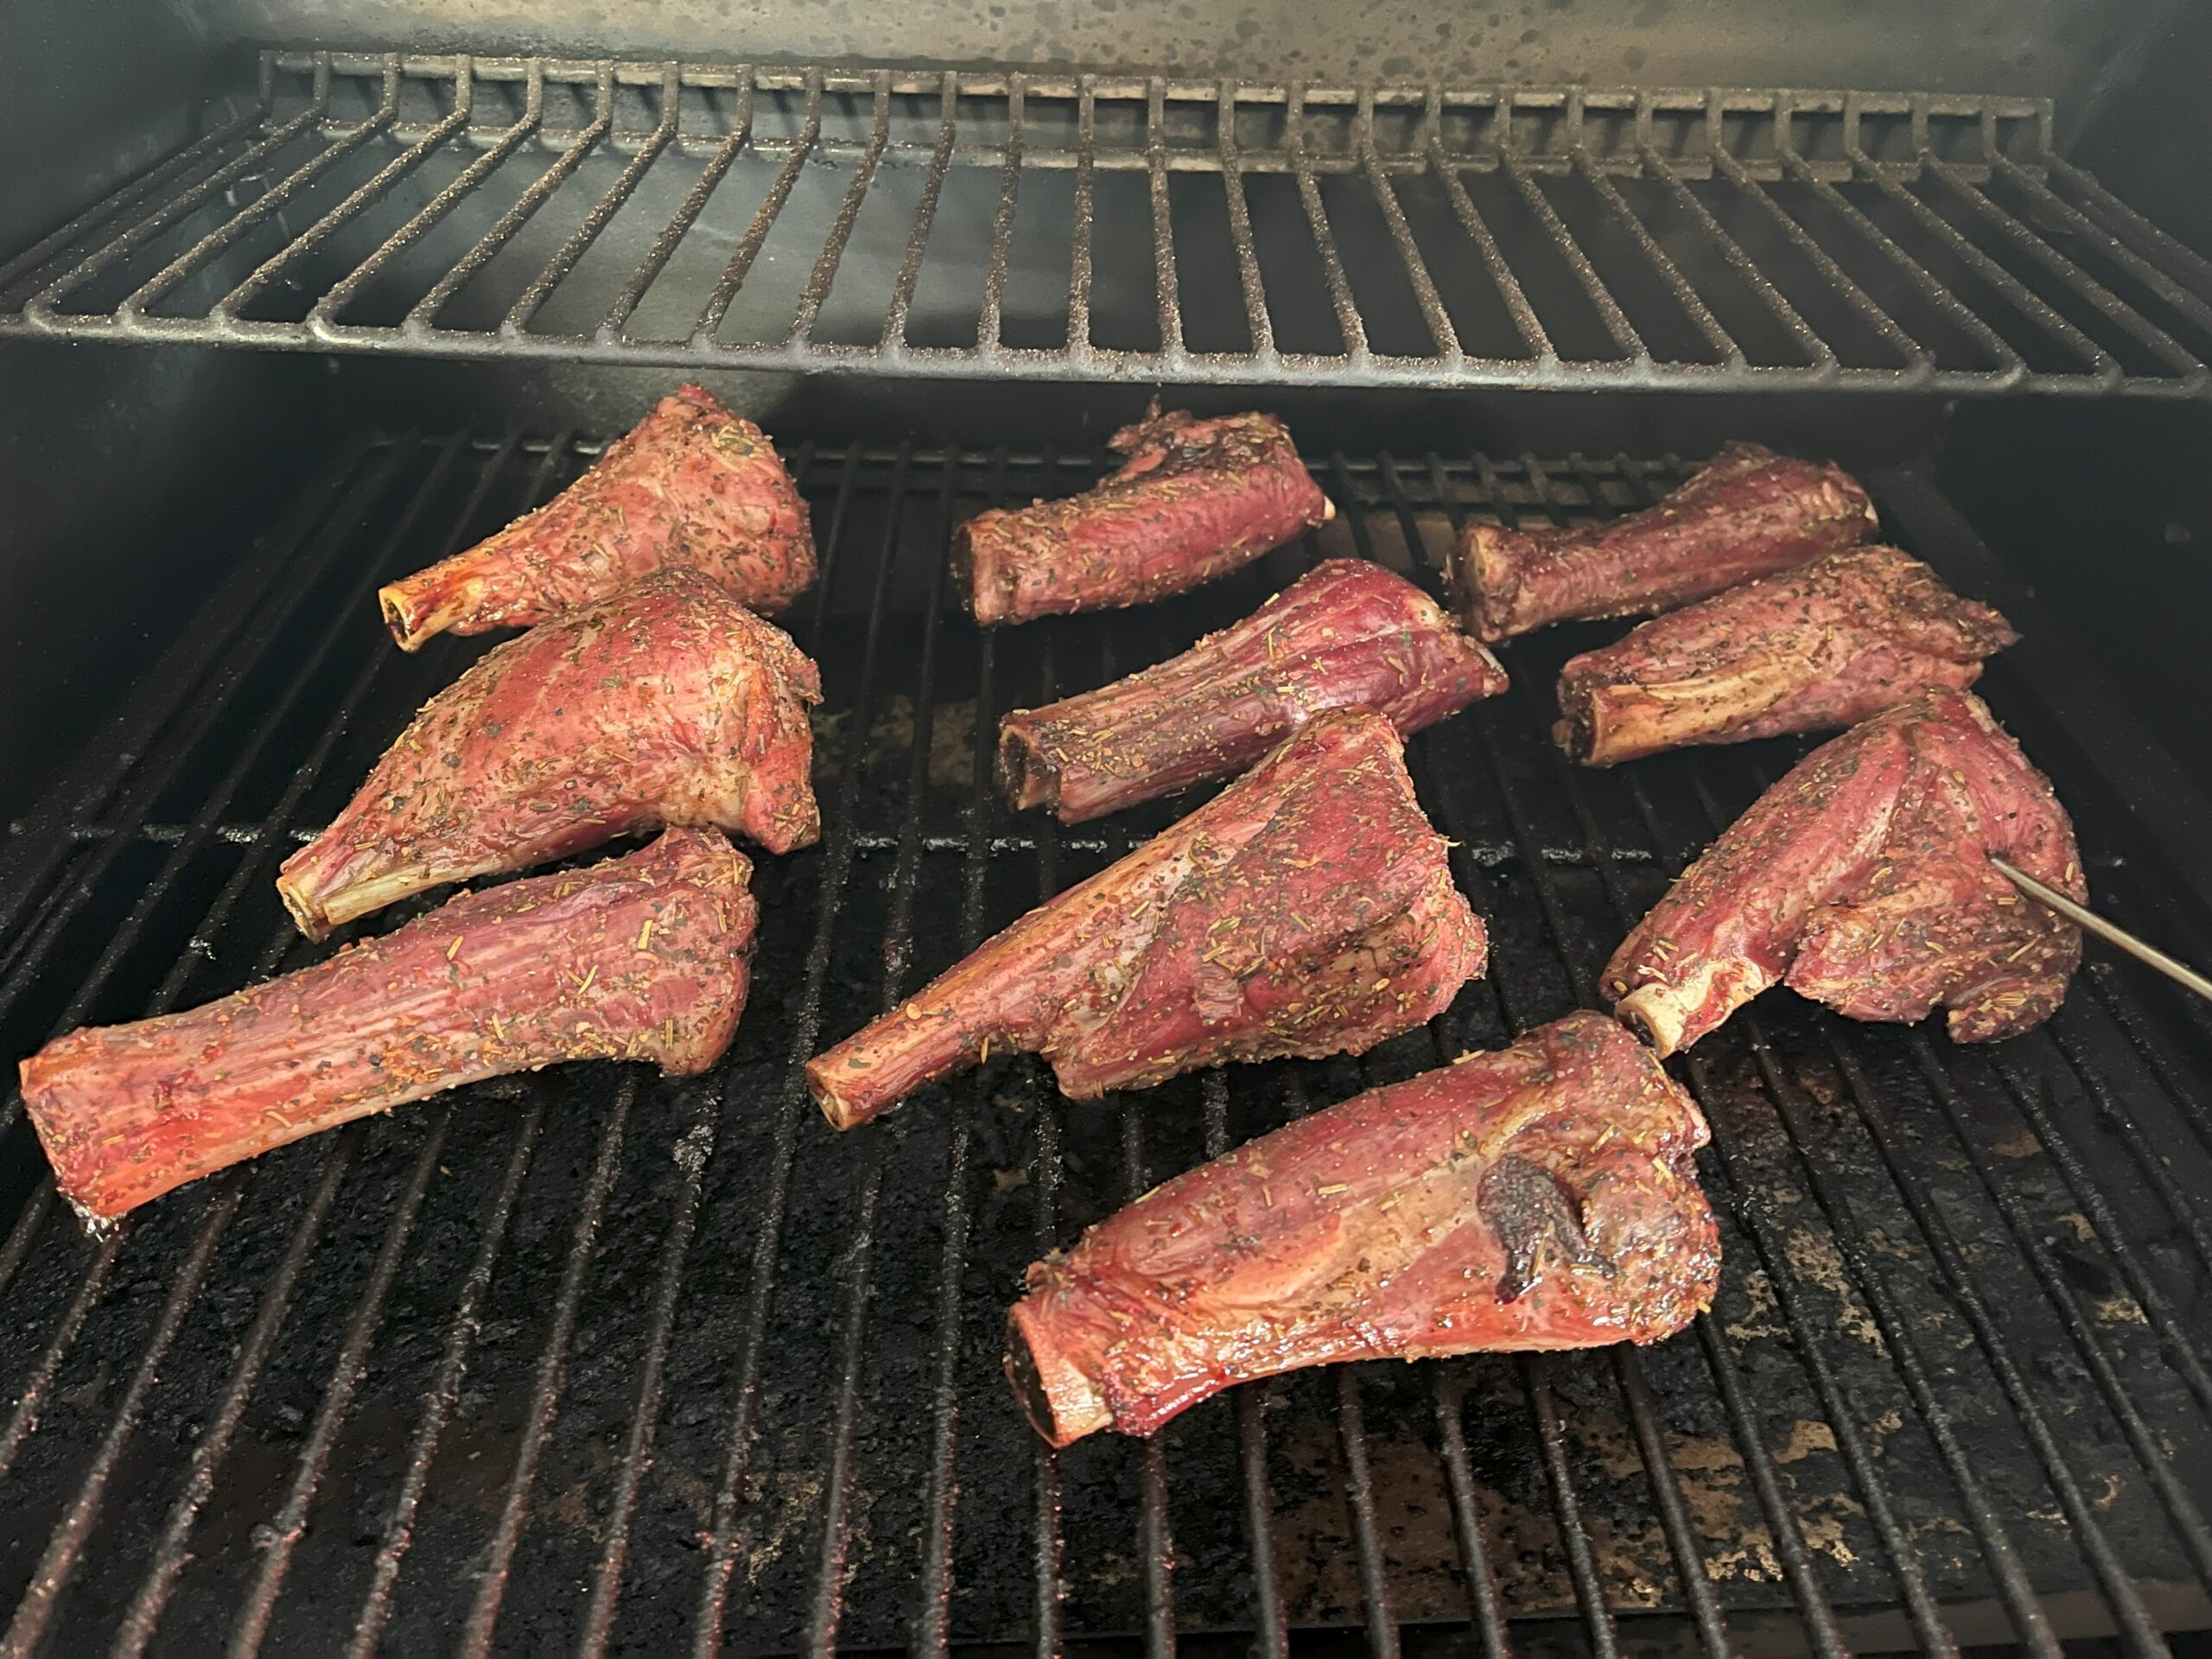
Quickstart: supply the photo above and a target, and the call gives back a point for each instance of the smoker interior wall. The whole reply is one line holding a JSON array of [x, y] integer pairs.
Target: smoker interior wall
[[128, 480], [2054, 48], [91, 93], [2108, 513]]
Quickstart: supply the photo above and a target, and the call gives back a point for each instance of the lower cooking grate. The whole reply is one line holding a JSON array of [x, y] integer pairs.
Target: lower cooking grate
[[594, 1361]]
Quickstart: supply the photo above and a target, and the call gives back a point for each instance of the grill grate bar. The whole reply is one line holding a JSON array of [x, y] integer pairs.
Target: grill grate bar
[[438, 1401], [932, 1618], [764, 221], [2022, 299], [579, 242], [2172, 1329], [320, 315], [673, 233], [1325, 242], [990, 319], [1080, 252], [841, 229], [1677, 284], [169, 1555], [693, 1152], [1272, 1636], [898, 955], [1441, 331], [1217, 278], [910, 265], [477, 1635], [721, 1534], [1731, 250], [1256, 320], [283, 1534], [1155, 1538]]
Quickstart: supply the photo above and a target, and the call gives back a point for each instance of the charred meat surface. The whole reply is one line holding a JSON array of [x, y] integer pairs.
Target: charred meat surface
[[667, 704], [1194, 500], [644, 957], [1347, 635], [1748, 512], [1813, 649], [690, 486], [1540, 1196], [1305, 910], [1862, 879]]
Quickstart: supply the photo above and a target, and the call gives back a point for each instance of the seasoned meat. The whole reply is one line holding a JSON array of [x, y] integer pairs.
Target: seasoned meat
[[690, 486], [1348, 635], [1305, 910], [1822, 646], [1540, 1196], [1862, 879], [667, 703], [1196, 499], [644, 957], [1748, 512]]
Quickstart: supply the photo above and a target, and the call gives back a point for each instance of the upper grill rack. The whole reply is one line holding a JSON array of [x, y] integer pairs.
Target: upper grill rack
[[1132, 229]]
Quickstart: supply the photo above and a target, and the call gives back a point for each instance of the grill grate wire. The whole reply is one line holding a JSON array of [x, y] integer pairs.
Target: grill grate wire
[[2036, 1481], [1578, 238]]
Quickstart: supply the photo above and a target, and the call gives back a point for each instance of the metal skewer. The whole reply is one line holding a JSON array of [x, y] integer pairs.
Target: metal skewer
[[2179, 973]]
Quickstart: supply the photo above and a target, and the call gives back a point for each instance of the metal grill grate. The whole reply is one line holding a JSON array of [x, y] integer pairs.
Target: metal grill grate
[[1009, 224], [590, 1360]]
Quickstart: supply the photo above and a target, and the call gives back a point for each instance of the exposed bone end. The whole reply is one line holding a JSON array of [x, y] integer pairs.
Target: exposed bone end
[[1481, 575], [428, 604], [1061, 1403], [1027, 775], [1654, 1014], [843, 1112]]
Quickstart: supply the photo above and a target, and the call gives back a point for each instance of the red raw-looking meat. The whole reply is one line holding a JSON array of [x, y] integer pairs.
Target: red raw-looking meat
[[644, 957], [1196, 499], [690, 486], [1305, 910], [1862, 879], [1748, 512], [1817, 648], [1347, 635], [667, 704], [1540, 1196]]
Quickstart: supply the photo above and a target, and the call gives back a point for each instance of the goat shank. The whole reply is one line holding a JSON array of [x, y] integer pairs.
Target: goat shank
[[644, 957], [1305, 910], [1822, 646], [1195, 499], [1347, 635], [1862, 879], [692, 485], [1540, 1196], [1748, 512], [666, 703]]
